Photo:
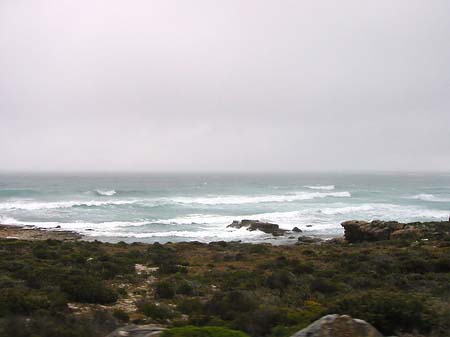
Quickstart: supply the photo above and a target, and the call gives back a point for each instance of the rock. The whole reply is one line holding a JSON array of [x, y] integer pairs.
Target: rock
[[359, 231], [336, 241], [297, 230], [308, 225], [308, 239], [253, 225], [338, 326], [138, 331], [407, 233]]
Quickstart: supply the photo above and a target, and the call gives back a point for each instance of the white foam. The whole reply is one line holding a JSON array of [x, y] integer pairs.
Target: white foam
[[33, 205], [255, 199], [429, 197], [321, 187], [107, 193]]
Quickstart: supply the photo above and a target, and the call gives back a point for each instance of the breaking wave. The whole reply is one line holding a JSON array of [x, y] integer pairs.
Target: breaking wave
[[429, 197], [107, 193], [32, 206], [256, 199], [321, 187]]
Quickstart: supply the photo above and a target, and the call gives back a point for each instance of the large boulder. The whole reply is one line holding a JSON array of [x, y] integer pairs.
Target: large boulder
[[338, 326], [253, 225], [359, 231], [149, 330]]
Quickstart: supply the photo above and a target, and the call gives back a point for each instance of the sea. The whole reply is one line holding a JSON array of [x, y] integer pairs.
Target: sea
[[199, 207]]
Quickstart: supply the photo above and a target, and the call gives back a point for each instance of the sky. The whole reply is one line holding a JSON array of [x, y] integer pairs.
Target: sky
[[226, 86]]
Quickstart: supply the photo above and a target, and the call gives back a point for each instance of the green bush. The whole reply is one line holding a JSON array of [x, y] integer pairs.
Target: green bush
[[190, 306], [231, 305], [191, 331], [20, 301], [164, 289], [389, 312], [185, 288], [121, 315], [158, 312], [88, 290]]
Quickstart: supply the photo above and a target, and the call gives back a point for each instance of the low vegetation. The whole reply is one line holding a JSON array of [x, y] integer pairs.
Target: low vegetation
[[53, 288]]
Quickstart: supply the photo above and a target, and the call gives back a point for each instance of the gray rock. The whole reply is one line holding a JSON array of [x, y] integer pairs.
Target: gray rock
[[253, 225], [338, 326], [137, 331], [359, 231], [296, 229], [309, 239]]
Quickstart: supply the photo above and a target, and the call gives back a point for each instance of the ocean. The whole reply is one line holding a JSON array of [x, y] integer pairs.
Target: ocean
[[188, 207]]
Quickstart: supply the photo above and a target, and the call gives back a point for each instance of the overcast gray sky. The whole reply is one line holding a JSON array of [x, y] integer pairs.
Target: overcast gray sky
[[231, 85]]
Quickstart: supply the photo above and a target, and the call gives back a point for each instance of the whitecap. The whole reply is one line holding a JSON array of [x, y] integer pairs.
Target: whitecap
[[321, 187], [107, 193], [428, 197], [32, 205], [255, 199]]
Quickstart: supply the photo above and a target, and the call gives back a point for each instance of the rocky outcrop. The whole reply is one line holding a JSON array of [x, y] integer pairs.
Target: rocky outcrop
[[359, 231], [138, 331], [308, 239], [253, 225], [338, 326]]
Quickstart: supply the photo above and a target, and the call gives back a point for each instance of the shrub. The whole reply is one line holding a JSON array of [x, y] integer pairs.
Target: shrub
[[279, 280], [158, 312], [323, 286], [230, 305], [388, 311], [191, 305], [20, 301], [191, 331], [164, 289], [121, 315], [185, 288], [88, 290]]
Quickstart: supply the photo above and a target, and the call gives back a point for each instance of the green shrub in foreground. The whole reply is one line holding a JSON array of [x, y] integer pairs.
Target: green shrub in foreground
[[88, 290], [192, 331], [388, 311]]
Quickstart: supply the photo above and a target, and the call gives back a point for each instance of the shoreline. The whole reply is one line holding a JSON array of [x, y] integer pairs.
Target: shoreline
[[30, 233]]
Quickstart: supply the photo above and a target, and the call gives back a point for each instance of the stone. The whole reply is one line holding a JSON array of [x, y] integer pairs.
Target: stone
[[309, 239], [297, 230], [338, 326], [359, 231], [132, 330], [253, 225]]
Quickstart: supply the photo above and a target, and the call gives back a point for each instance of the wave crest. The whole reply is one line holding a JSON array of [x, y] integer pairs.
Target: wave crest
[[429, 197], [321, 187], [32, 206], [256, 199], [106, 193]]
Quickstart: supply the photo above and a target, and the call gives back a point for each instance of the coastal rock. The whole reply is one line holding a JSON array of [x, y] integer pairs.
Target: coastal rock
[[359, 231], [338, 326], [138, 331], [308, 239], [253, 225], [297, 230]]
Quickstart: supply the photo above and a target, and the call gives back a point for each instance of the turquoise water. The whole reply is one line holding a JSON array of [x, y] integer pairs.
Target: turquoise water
[[198, 207]]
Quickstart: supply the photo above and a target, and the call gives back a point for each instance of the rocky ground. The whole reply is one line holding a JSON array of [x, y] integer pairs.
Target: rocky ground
[[32, 233]]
